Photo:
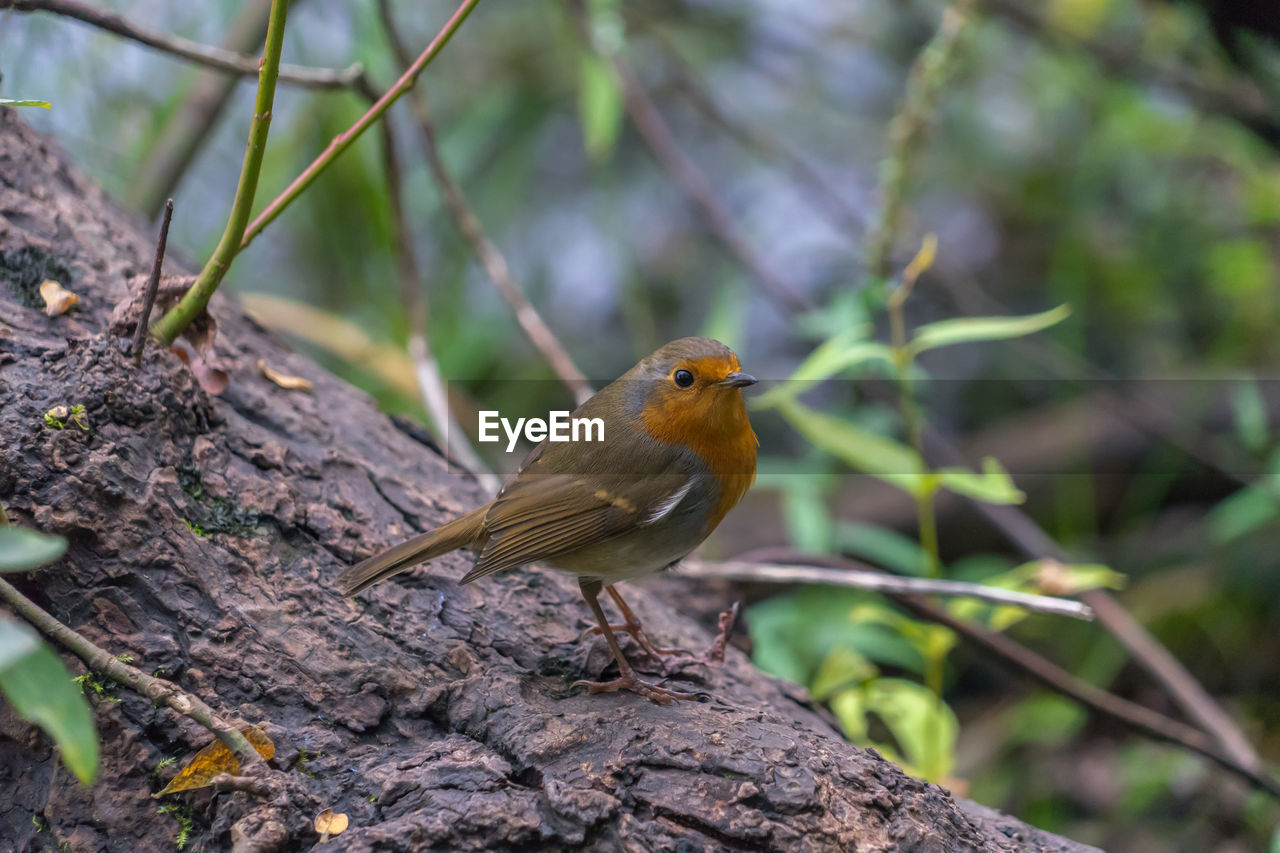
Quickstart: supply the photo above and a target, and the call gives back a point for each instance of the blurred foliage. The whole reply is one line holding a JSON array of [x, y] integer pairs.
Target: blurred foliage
[[32, 676], [1050, 179]]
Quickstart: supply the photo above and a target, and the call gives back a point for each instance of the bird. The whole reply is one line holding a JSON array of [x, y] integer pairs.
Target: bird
[[677, 454]]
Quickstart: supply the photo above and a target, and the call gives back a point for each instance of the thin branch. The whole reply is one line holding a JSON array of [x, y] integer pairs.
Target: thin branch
[[842, 216], [153, 286], [1237, 97], [247, 784], [686, 175], [193, 303], [158, 690], [697, 188], [929, 73], [1131, 714], [186, 130], [854, 575], [1014, 654], [1022, 531], [431, 387], [342, 141], [486, 252], [213, 57]]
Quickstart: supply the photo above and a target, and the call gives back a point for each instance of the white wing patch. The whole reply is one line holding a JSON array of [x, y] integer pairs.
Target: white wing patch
[[664, 509]]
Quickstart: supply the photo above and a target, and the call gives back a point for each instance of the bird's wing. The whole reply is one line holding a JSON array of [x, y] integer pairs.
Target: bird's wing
[[538, 516]]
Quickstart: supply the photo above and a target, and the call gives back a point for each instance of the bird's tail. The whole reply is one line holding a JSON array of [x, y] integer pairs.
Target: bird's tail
[[458, 533]]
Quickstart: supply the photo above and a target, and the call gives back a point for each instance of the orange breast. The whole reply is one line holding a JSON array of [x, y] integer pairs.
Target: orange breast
[[714, 425]]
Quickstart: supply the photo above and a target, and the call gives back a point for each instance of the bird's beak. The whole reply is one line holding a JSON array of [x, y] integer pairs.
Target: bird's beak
[[738, 380]]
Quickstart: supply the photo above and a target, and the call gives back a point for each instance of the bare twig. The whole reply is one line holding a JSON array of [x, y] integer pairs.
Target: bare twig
[[857, 576], [1236, 96], [686, 175], [842, 216], [343, 140], [929, 73], [1022, 531], [213, 57], [247, 784], [490, 258], [431, 386], [153, 285], [693, 183], [201, 104], [1130, 714], [1014, 654], [193, 303], [157, 690]]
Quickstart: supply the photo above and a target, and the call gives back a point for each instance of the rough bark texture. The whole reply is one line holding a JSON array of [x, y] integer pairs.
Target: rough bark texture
[[432, 714]]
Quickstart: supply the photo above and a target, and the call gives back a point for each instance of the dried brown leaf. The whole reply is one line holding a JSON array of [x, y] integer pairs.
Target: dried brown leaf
[[329, 824], [216, 759], [211, 377], [124, 318], [57, 299], [284, 380]]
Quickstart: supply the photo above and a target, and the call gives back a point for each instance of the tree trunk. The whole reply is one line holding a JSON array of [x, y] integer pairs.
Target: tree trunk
[[205, 533]]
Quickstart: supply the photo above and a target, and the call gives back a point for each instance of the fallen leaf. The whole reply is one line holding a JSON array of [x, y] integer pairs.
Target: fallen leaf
[[329, 824], [284, 380], [57, 299], [124, 318], [216, 759], [212, 378]]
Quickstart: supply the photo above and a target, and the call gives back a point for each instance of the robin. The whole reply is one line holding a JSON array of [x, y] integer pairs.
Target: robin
[[677, 454]]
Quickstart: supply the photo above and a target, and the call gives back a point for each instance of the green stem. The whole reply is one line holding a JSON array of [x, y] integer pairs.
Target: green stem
[[929, 74], [343, 140], [926, 518], [193, 303]]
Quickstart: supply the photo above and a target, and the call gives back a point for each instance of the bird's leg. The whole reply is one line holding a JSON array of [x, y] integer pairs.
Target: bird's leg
[[631, 625], [713, 656], [627, 679]]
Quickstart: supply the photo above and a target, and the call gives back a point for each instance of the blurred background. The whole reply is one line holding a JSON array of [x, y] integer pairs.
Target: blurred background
[[763, 172]]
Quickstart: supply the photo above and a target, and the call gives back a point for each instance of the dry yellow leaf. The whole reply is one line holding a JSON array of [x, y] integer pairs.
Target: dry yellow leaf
[[329, 824], [57, 299], [216, 759], [285, 381]]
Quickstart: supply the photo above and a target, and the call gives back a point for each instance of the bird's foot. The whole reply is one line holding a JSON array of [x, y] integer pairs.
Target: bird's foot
[[652, 692]]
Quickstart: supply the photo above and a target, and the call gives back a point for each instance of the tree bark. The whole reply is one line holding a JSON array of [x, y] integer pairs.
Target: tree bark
[[434, 715]]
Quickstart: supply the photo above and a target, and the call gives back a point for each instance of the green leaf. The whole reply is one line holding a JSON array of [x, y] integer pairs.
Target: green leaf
[[841, 352], [807, 518], [1045, 718], [1242, 513], [963, 330], [882, 457], [599, 105], [850, 708], [16, 642], [882, 547], [843, 668], [41, 690], [921, 723], [993, 485], [1250, 414], [9, 102], [22, 550], [923, 726]]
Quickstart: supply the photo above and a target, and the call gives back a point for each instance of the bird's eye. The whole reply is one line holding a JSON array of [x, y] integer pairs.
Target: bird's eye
[[683, 378]]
